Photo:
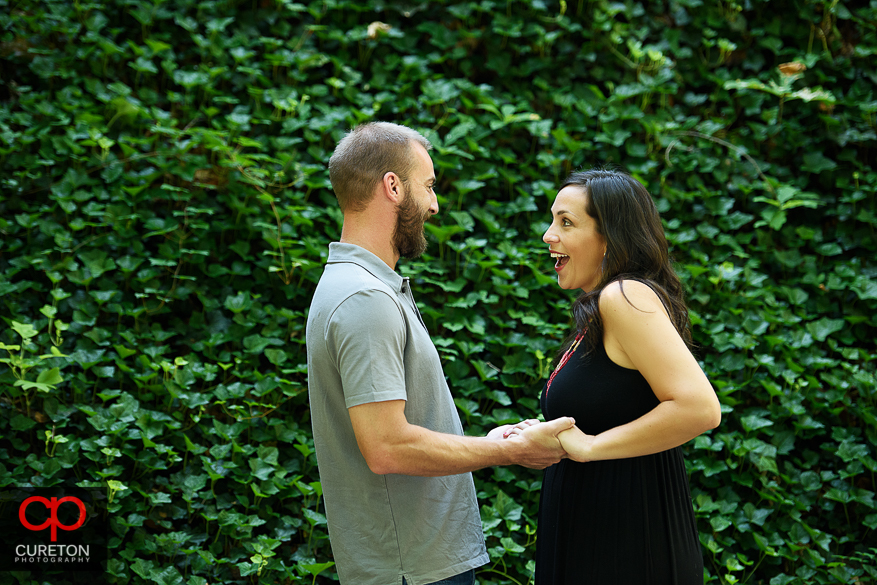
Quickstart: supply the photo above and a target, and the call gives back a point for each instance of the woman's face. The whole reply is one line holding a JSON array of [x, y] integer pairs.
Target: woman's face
[[575, 245]]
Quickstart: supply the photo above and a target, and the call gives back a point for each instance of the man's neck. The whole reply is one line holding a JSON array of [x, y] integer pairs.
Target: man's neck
[[380, 246]]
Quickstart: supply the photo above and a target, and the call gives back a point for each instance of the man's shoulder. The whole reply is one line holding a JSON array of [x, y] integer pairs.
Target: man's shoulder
[[350, 292], [354, 310], [345, 279]]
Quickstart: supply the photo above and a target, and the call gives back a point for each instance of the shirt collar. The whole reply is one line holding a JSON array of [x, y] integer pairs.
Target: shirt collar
[[339, 253]]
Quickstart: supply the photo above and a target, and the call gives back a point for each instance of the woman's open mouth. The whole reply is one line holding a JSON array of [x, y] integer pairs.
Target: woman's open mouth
[[560, 260]]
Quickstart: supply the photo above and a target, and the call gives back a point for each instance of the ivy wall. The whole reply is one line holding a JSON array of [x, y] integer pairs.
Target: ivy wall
[[165, 211]]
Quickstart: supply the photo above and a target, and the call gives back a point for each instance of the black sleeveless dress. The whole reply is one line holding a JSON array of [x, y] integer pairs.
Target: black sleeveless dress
[[616, 522]]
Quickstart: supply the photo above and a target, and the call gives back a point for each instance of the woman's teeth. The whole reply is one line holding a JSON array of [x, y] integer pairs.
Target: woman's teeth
[[560, 259]]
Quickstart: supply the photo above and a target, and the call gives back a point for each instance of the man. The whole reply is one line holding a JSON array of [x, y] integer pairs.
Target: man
[[394, 464]]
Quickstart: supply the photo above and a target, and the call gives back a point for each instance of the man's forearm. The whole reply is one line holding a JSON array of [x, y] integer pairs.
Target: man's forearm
[[414, 450], [390, 444], [418, 451]]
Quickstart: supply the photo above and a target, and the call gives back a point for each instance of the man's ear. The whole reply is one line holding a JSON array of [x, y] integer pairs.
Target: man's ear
[[391, 186]]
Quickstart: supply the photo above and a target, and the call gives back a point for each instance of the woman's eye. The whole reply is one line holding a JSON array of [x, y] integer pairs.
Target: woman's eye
[[567, 222]]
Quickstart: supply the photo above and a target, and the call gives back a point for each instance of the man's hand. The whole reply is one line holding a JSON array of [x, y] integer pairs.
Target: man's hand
[[539, 445]]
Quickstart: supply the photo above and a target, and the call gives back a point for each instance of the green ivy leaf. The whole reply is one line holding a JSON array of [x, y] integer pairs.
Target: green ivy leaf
[[511, 546], [315, 568], [314, 518], [22, 423], [166, 576], [821, 329], [143, 567], [25, 330], [50, 377], [275, 356], [238, 303], [849, 451]]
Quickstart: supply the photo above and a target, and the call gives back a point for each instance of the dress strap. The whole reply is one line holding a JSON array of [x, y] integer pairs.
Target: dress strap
[[566, 356]]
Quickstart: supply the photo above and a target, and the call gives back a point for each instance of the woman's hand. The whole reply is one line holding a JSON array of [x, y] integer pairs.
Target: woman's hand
[[509, 430], [505, 431], [499, 432], [576, 444]]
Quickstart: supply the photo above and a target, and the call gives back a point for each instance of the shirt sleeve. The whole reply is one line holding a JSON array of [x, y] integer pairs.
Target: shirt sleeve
[[367, 335]]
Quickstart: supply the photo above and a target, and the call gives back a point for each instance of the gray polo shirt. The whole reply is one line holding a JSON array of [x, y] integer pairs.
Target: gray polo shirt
[[367, 343]]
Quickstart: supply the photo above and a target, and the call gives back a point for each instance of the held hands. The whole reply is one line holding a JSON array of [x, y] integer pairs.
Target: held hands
[[539, 444], [576, 444]]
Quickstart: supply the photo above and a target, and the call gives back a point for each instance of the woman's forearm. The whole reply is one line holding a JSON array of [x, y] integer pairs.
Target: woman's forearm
[[667, 426]]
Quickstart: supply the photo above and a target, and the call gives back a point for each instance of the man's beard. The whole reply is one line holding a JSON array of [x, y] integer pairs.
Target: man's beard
[[408, 238]]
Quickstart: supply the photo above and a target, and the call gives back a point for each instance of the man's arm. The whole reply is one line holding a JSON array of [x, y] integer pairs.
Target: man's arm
[[390, 444]]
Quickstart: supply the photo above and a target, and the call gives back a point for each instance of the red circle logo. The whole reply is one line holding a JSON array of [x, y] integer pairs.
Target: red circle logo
[[53, 521]]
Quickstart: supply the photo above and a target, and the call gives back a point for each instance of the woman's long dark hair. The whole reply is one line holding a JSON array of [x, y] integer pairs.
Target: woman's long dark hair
[[636, 249]]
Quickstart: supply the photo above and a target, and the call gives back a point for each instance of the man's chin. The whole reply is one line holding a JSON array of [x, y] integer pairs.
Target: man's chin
[[412, 247], [411, 254]]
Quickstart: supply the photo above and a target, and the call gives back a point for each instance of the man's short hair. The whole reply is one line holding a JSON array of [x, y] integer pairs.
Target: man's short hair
[[365, 155]]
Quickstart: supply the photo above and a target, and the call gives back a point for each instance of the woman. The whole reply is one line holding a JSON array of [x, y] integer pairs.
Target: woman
[[618, 510]]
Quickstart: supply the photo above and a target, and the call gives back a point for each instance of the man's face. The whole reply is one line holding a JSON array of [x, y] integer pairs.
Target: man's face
[[418, 204]]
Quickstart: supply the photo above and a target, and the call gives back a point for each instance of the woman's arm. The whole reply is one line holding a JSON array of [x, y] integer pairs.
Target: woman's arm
[[639, 334]]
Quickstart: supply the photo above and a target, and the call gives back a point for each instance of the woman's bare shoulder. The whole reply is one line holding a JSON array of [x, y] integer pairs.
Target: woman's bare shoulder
[[629, 298]]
